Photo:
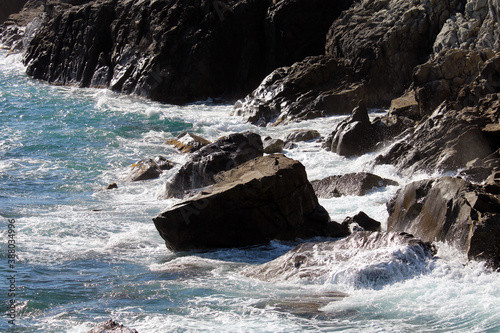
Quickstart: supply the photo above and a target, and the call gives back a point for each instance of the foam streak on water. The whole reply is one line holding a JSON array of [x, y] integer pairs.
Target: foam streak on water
[[87, 254]]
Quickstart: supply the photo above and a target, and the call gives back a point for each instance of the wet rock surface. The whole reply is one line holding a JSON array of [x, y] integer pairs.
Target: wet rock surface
[[318, 262], [450, 210], [370, 53], [263, 199]]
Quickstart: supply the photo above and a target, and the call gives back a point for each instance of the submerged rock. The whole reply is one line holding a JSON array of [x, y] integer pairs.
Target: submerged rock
[[349, 184], [263, 199], [111, 326], [450, 210], [224, 154], [362, 260]]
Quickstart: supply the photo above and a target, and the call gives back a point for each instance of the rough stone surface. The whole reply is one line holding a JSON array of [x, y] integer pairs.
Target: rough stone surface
[[272, 146], [448, 140], [478, 27], [349, 184], [371, 51], [450, 210], [266, 198], [319, 262], [171, 51], [222, 155]]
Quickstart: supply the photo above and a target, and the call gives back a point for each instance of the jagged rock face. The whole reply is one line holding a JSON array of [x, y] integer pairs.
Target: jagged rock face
[[173, 51], [222, 155], [371, 51], [362, 260], [263, 199], [447, 141], [445, 76], [450, 210], [296, 29], [478, 27]]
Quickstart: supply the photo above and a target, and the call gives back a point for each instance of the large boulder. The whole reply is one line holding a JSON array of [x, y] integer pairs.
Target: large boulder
[[349, 184], [263, 199], [202, 165], [371, 50], [450, 210], [362, 260]]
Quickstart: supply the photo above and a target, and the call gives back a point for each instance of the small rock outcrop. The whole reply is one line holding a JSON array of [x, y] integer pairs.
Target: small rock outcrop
[[263, 199], [342, 261], [349, 184], [188, 142], [362, 222], [111, 326], [202, 165], [450, 210]]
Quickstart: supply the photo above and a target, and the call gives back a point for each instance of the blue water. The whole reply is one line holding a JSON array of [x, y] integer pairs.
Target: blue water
[[86, 254]]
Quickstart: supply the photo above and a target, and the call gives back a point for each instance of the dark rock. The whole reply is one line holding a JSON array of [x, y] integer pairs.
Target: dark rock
[[338, 260], [263, 199], [354, 136], [111, 326], [448, 140], [362, 222], [111, 186], [272, 146], [371, 50], [222, 155], [349, 184], [172, 51], [8, 7], [144, 170], [296, 29], [493, 183], [450, 210], [188, 142]]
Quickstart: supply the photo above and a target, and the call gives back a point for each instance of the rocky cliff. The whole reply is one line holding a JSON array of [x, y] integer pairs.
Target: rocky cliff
[[177, 51]]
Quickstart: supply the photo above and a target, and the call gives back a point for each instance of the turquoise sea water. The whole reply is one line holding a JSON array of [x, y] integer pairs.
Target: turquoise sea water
[[85, 254]]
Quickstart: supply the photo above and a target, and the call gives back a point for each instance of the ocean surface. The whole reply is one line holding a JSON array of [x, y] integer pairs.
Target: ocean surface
[[84, 254]]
